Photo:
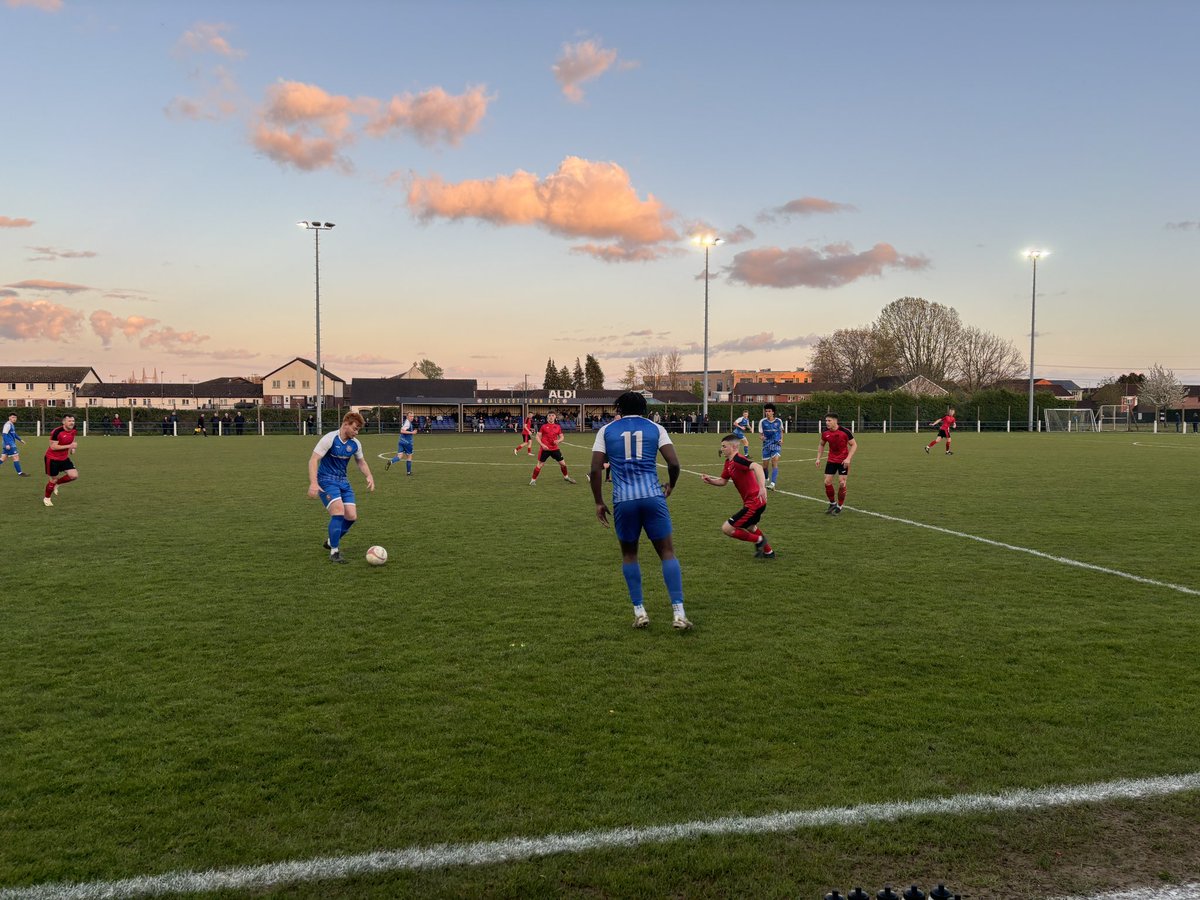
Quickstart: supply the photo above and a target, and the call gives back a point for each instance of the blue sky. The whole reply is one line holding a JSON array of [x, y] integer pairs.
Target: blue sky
[[515, 181]]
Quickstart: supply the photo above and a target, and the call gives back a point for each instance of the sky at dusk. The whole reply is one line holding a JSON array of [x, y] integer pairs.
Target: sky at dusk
[[512, 181]]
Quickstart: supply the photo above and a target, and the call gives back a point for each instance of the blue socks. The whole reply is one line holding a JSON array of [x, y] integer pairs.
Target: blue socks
[[774, 474], [673, 578], [17, 465], [633, 579], [408, 466], [335, 531]]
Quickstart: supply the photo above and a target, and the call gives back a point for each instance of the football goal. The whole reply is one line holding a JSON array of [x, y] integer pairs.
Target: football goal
[[1070, 420], [1113, 417]]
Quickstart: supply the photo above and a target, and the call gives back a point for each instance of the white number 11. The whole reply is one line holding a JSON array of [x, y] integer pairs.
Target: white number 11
[[629, 454]]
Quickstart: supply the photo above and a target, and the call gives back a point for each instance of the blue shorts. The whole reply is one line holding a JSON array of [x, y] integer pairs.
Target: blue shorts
[[10, 450], [630, 517], [770, 450], [335, 490], [404, 446], [741, 435]]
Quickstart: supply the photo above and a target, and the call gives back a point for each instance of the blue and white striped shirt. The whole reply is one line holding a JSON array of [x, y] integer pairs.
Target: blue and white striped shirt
[[632, 444]]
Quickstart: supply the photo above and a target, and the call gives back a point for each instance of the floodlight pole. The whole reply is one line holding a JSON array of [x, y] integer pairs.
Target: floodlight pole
[[1034, 255], [708, 241], [316, 228]]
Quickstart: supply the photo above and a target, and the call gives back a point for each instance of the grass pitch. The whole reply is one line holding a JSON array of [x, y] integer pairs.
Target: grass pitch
[[186, 683]]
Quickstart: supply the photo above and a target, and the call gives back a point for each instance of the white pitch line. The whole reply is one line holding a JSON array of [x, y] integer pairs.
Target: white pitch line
[[1064, 560], [524, 848], [1174, 892]]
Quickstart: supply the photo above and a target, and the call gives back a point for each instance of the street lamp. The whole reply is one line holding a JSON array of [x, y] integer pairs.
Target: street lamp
[[707, 241], [1033, 255], [316, 228]]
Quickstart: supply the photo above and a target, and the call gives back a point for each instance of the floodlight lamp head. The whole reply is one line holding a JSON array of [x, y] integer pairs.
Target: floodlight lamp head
[[707, 240], [1036, 253]]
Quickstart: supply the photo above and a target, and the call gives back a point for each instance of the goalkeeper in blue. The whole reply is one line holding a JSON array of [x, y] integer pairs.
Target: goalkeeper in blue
[[631, 446]]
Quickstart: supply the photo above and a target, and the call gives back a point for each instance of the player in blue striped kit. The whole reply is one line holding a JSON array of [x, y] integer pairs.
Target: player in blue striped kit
[[9, 449], [327, 479], [771, 430], [631, 446]]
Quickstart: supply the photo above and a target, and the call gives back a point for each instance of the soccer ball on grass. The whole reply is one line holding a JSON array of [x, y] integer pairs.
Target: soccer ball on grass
[[376, 556]]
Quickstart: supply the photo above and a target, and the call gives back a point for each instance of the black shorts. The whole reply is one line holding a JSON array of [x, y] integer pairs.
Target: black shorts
[[745, 518], [837, 468], [943, 433], [550, 454], [56, 467]]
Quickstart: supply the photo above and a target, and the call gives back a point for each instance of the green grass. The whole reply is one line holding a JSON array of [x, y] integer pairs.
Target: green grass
[[187, 683]]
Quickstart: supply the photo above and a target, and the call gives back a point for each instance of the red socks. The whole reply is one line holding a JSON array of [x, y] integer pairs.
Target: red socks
[[829, 492]]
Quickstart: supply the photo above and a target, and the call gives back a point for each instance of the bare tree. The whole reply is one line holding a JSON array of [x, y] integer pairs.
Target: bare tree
[[1163, 389], [630, 379], [672, 364], [651, 367], [982, 359], [853, 357], [922, 334]]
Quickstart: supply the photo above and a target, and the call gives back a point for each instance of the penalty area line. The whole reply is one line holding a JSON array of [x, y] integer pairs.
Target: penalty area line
[[525, 848]]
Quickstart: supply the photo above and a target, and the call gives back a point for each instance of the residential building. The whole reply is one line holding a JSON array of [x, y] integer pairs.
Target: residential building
[[43, 385], [294, 385]]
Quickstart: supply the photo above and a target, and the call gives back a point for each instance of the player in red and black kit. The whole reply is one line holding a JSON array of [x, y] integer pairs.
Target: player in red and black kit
[[943, 425], [842, 448], [548, 437], [526, 437], [750, 480], [60, 468]]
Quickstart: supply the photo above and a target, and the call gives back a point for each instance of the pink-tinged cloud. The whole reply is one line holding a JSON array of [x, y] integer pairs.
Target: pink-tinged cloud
[[432, 115], [40, 284], [43, 5], [831, 266], [618, 253], [764, 342], [5, 292], [25, 320], [306, 127], [805, 206], [6, 222], [581, 199], [581, 62], [105, 325], [208, 37], [171, 340], [51, 253]]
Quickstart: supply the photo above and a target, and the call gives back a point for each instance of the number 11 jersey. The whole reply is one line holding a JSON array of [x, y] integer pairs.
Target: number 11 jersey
[[632, 444]]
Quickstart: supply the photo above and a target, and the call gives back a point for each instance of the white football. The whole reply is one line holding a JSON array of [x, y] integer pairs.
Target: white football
[[376, 556]]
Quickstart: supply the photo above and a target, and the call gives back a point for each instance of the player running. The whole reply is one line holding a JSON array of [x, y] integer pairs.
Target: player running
[[771, 430], [943, 425], [740, 427], [404, 447], [751, 483], [327, 479], [9, 447], [60, 468], [631, 445], [548, 437], [526, 437], [842, 448]]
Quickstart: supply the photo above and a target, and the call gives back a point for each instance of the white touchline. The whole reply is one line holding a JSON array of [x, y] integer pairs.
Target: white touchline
[[1175, 892], [524, 848], [1064, 560]]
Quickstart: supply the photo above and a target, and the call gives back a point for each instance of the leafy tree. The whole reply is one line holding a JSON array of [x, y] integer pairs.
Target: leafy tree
[[982, 359], [564, 379], [577, 380], [593, 375], [550, 382], [923, 335], [630, 379], [1109, 393], [430, 369]]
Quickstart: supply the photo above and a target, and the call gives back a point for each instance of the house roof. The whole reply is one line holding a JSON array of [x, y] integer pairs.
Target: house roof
[[124, 390], [46, 374], [307, 362]]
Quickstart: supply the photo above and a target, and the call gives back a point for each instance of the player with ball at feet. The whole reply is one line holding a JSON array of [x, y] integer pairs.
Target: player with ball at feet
[[327, 479]]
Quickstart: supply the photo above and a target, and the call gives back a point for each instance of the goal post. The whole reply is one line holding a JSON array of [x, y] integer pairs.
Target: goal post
[[1113, 417], [1071, 420]]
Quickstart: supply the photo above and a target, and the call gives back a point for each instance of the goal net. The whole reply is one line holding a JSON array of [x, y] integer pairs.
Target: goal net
[[1070, 420], [1113, 417]]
